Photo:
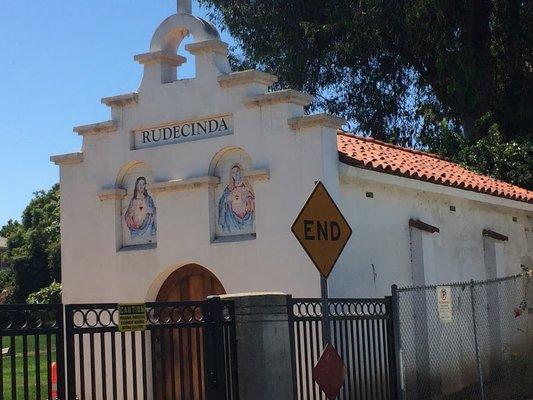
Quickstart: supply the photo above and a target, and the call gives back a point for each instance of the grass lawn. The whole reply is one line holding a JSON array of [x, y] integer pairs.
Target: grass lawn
[[7, 373]]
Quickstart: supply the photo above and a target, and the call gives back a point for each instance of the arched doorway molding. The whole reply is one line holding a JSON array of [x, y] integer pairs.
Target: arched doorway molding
[[176, 271]]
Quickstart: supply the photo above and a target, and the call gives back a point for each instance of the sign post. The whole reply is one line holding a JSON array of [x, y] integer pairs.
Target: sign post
[[323, 232], [326, 329]]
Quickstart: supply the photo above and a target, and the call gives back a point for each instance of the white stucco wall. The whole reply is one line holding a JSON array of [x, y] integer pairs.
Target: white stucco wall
[[94, 270], [381, 240]]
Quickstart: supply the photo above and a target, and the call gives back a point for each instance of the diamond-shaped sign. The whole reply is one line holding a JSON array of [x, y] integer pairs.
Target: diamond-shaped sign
[[329, 372], [322, 230]]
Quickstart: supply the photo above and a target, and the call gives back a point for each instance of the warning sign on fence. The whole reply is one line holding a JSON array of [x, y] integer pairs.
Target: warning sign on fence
[[131, 317], [444, 303]]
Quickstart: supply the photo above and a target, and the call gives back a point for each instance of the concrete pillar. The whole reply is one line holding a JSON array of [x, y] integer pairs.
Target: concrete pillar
[[263, 346]]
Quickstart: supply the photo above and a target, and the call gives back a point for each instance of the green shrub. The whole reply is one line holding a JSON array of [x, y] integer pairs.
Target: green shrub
[[7, 285], [48, 295]]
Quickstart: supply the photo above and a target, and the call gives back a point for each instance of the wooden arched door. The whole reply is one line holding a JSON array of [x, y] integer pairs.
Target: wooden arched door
[[190, 282], [179, 352]]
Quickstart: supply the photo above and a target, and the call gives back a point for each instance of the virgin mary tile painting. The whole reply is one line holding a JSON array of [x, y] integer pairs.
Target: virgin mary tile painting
[[140, 216], [236, 205]]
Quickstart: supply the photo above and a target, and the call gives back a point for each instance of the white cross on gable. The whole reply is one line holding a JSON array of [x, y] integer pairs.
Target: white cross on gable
[[184, 6]]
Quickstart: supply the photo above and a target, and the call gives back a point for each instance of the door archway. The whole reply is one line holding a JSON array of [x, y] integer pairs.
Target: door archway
[[190, 282], [179, 353]]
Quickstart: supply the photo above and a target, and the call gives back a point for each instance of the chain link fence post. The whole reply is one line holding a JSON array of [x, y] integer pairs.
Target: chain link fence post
[[476, 343], [395, 315]]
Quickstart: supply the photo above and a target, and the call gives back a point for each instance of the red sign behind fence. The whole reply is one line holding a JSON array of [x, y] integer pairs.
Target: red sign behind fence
[[329, 372]]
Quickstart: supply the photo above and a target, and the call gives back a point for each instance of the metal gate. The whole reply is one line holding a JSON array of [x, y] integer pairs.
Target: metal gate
[[32, 337], [186, 353], [361, 331]]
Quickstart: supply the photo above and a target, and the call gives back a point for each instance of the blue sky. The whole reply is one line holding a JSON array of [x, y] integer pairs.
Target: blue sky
[[59, 58]]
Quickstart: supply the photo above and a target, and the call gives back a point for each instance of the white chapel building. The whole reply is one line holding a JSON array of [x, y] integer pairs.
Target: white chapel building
[[192, 185]]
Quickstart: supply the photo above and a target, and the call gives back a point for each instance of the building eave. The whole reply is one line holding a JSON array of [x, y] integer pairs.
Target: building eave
[[247, 77], [281, 96], [121, 100], [349, 172], [67, 159], [310, 121], [96, 129]]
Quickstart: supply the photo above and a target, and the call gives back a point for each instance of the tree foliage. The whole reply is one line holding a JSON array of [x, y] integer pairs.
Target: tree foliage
[[33, 245], [508, 160], [48, 295], [7, 285], [403, 71]]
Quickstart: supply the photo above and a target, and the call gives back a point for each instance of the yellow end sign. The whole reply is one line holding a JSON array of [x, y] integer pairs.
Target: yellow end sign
[[322, 230], [131, 317]]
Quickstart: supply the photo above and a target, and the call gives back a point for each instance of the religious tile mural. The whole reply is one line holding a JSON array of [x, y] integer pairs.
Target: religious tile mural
[[234, 197], [236, 206], [139, 214]]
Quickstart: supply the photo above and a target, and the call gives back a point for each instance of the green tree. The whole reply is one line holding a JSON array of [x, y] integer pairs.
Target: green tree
[[436, 74], [33, 245], [9, 228], [508, 160]]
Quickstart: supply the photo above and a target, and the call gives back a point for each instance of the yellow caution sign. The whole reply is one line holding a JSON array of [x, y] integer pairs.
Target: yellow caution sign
[[132, 317]]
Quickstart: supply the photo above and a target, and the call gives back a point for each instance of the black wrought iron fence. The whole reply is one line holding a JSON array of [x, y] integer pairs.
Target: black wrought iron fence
[[187, 352], [361, 331], [31, 338]]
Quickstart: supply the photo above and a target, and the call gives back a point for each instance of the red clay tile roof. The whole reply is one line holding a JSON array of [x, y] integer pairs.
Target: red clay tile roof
[[383, 157]]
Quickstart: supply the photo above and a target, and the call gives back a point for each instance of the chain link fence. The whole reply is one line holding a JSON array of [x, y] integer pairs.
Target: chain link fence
[[483, 350]]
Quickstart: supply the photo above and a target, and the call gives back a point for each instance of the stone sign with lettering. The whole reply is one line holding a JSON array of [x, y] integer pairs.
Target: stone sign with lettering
[[183, 131]]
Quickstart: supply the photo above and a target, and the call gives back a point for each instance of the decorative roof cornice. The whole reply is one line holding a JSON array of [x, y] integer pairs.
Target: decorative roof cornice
[[309, 121], [67, 159], [281, 96], [160, 57], [257, 174], [121, 100], [247, 77], [96, 129], [183, 184], [112, 194], [211, 46]]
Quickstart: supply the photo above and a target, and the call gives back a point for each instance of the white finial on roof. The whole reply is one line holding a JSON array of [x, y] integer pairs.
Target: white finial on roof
[[184, 7]]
